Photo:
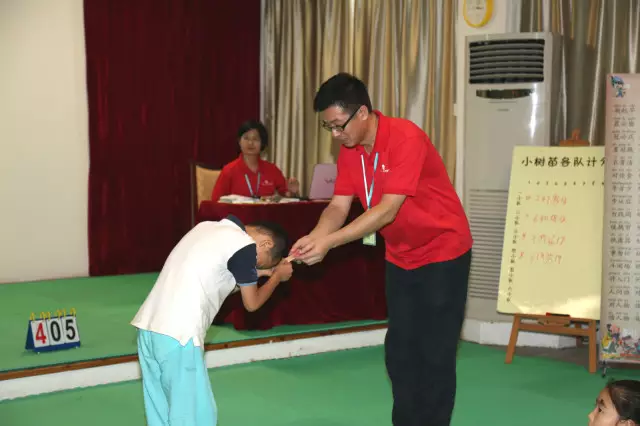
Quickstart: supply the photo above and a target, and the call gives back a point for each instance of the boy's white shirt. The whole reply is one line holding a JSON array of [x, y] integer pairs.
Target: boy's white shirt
[[193, 283]]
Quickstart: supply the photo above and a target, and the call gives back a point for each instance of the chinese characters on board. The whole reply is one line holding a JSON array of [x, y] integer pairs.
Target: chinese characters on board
[[533, 242], [562, 161], [622, 294], [542, 216]]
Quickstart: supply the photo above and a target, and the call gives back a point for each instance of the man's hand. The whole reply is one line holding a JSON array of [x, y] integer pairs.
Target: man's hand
[[302, 246], [283, 270], [307, 249], [314, 251], [332, 218]]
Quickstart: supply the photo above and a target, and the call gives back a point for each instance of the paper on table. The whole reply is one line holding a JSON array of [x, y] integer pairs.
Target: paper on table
[[237, 199]]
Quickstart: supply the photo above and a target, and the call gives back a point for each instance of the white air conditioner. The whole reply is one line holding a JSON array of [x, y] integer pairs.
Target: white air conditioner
[[512, 97]]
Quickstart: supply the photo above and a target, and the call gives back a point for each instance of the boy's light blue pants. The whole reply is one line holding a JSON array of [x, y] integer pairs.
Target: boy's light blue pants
[[176, 385]]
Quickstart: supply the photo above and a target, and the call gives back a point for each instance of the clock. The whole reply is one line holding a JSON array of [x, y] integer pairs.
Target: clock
[[477, 13]]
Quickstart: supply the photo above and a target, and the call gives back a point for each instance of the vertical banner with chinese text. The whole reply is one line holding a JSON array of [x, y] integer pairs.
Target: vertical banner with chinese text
[[552, 252], [620, 314]]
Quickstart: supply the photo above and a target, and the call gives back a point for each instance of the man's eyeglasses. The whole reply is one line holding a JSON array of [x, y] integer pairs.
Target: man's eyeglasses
[[339, 127]]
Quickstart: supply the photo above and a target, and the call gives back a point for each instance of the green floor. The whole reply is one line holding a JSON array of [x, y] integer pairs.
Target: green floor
[[346, 388], [104, 305]]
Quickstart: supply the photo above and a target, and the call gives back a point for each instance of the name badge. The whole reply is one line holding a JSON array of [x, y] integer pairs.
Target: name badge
[[369, 240]]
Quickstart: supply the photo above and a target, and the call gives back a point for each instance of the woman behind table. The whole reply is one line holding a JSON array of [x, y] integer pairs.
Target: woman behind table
[[249, 175], [618, 404]]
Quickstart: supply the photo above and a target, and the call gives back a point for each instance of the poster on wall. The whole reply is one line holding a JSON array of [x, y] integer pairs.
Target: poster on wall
[[620, 310]]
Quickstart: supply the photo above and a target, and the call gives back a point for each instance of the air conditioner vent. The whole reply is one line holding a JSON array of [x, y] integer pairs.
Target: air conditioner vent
[[506, 61], [487, 214]]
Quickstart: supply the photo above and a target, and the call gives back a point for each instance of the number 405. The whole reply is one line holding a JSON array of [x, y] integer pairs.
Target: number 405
[[54, 333]]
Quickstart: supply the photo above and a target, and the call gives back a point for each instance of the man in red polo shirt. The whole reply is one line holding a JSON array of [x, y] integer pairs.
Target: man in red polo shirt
[[400, 179]]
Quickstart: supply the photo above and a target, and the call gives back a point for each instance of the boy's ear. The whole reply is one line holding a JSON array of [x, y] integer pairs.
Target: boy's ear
[[266, 243]]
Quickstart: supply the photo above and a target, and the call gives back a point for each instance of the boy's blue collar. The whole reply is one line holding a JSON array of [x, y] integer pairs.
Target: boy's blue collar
[[237, 221]]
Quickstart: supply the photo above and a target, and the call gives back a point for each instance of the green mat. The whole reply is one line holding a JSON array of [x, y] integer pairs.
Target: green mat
[[105, 306], [347, 388]]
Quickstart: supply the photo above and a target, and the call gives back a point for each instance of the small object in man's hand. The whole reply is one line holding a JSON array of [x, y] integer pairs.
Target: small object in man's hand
[[293, 259]]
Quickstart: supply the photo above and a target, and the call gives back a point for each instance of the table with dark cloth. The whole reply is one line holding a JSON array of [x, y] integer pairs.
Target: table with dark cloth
[[347, 285]]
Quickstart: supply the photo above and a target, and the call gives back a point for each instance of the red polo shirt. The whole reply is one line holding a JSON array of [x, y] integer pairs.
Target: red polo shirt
[[232, 180], [431, 226]]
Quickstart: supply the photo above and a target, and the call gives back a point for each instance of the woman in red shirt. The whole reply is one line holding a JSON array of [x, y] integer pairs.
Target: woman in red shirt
[[249, 175]]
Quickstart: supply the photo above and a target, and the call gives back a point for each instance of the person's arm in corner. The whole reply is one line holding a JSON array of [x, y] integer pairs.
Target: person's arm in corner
[[243, 267], [222, 186]]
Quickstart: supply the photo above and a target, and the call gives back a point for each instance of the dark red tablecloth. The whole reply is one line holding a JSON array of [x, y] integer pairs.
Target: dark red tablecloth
[[348, 285]]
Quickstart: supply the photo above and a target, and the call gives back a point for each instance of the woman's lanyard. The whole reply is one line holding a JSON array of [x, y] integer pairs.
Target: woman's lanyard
[[369, 192], [246, 178]]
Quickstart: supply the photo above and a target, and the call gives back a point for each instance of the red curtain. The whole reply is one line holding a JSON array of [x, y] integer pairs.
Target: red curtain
[[168, 82]]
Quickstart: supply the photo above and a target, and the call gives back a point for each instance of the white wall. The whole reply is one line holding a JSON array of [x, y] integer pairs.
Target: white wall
[[43, 140]]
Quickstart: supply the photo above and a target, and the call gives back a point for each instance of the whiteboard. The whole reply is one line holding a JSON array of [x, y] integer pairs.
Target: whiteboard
[[552, 252]]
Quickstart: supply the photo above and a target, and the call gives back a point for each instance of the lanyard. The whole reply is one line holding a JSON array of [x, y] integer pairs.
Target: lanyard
[[369, 193], [246, 178]]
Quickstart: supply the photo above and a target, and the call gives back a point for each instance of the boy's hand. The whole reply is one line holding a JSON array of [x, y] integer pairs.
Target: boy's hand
[[265, 272], [283, 270]]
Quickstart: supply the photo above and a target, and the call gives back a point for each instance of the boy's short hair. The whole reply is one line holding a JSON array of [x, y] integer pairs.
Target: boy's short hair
[[279, 236]]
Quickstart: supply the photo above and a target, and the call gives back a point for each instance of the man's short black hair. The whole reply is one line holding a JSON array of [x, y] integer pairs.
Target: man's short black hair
[[279, 236], [259, 127], [342, 90]]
